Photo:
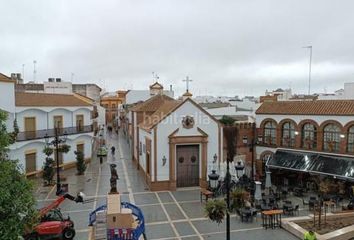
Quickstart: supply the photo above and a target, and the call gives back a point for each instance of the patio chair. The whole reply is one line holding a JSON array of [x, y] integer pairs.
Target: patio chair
[[296, 209]]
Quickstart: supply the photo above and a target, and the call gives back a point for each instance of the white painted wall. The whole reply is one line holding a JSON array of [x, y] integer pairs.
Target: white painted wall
[[174, 121], [18, 150], [58, 87], [142, 157], [7, 96], [45, 116]]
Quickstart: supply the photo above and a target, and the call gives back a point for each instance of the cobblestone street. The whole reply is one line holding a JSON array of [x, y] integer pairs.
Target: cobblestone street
[[168, 215]]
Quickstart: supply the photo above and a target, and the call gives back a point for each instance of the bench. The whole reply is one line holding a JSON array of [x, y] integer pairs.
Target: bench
[[206, 193]]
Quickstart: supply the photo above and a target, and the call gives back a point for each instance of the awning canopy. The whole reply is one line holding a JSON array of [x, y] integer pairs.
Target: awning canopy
[[313, 162]]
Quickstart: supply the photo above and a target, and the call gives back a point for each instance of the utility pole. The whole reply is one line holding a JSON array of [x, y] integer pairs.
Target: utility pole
[[34, 70], [309, 47]]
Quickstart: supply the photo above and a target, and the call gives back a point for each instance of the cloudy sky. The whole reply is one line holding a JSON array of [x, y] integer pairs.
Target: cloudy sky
[[230, 47]]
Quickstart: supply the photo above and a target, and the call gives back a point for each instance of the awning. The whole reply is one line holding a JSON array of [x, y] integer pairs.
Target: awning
[[333, 165], [313, 162]]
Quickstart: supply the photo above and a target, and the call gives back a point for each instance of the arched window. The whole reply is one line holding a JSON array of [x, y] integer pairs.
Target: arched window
[[309, 136], [350, 146], [288, 135], [270, 133], [331, 138]]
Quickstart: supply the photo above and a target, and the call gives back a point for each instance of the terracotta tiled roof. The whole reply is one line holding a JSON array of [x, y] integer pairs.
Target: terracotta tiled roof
[[318, 107], [152, 104], [160, 114], [4, 78], [48, 100]]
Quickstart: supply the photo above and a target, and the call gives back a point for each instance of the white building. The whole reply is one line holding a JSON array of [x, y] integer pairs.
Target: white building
[[175, 143], [37, 115], [134, 96]]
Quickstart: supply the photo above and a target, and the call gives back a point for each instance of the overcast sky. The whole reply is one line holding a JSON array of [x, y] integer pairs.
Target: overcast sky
[[227, 47]]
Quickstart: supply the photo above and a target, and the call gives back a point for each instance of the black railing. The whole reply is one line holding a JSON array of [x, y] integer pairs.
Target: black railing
[[30, 135]]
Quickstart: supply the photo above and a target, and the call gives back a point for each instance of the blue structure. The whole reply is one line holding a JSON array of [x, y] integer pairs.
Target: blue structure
[[123, 234]]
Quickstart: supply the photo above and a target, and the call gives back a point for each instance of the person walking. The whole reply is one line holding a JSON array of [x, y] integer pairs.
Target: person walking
[[310, 235], [113, 150]]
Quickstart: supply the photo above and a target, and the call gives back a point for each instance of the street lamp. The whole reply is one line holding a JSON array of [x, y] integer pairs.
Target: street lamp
[[239, 169], [56, 143], [213, 180]]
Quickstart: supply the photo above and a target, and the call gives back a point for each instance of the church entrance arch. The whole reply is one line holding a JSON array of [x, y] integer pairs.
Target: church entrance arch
[[187, 165]]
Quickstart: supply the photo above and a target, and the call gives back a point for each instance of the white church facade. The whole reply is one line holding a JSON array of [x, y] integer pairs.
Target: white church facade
[[176, 142]]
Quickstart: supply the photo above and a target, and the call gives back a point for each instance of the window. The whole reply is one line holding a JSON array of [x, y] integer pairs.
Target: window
[[269, 133], [288, 135], [309, 136], [350, 146], [79, 123], [331, 137]]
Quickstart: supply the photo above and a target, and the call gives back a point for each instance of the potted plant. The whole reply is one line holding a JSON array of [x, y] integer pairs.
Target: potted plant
[[80, 162], [48, 169], [216, 210], [65, 148]]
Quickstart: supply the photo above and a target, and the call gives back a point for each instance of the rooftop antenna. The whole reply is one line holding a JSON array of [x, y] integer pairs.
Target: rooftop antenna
[[72, 77], [155, 77], [34, 70], [23, 72], [309, 47], [187, 80]]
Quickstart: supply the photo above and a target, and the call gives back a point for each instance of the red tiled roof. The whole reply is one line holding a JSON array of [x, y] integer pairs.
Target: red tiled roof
[[160, 114], [4, 78], [23, 99], [152, 104], [317, 107]]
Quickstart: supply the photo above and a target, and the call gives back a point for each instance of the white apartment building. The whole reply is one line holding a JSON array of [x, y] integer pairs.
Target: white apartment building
[[37, 116]]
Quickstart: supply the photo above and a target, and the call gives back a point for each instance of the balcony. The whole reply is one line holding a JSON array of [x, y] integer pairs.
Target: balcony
[[31, 135]]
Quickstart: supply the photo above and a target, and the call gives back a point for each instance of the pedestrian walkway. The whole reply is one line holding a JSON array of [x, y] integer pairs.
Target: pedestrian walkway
[[169, 215]]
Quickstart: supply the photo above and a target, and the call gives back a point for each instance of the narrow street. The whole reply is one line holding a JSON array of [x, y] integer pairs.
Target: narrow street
[[168, 215]]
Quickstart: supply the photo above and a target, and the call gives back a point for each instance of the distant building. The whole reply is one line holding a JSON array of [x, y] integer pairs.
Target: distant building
[[134, 96], [110, 101], [345, 93], [57, 86]]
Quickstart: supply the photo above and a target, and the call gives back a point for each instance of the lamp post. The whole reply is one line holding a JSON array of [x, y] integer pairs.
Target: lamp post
[[230, 134], [213, 180], [239, 169], [56, 143]]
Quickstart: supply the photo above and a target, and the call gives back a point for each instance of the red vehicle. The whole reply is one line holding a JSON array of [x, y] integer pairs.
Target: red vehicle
[[53, 225]]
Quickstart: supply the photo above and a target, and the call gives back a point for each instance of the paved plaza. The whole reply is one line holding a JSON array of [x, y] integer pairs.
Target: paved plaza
[[168, 215]]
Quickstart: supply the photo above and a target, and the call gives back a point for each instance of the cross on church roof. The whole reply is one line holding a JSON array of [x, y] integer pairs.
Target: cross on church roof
[[187, 80]]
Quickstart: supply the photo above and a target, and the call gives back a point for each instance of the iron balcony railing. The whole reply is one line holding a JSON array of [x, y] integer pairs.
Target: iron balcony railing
[[31, 135]]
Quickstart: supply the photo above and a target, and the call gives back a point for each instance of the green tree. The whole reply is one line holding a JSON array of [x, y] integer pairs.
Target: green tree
[[48, 169], [80, 163], [226, 120], [17, 204]]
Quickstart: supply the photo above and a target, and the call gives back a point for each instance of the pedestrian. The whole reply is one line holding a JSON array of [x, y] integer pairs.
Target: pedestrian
[[310, 235], [113, 149]]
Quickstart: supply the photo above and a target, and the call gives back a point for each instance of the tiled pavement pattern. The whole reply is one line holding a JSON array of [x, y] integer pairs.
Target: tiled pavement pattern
[[168, 215]]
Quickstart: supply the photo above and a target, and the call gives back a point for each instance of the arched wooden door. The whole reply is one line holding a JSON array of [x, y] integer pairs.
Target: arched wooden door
[[187, 163]]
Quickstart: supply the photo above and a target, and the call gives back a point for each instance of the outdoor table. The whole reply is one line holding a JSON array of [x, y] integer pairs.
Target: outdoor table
[[271, 218]]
